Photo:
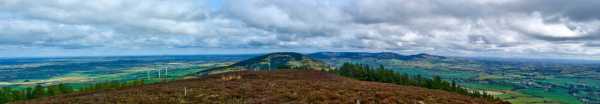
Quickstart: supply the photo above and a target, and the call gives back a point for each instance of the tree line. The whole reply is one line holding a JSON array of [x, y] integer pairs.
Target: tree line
[[381, 74], [10, 94]]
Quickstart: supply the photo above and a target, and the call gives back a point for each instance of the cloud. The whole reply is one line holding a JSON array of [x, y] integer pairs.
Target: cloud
[[577, 10], [457, 27], [464, 26]]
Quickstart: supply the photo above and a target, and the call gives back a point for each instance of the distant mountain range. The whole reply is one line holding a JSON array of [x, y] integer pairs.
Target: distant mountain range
[[314, 61], [380, 55]]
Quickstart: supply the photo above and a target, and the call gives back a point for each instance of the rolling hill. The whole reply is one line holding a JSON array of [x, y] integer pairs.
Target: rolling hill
[[266, 87], [272, 61], [422, 60], [379, 55], [283, 77]]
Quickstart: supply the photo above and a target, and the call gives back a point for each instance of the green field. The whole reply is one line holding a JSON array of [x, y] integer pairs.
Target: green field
[[487, 86], [520, 96], [148, 73], [558, 94]]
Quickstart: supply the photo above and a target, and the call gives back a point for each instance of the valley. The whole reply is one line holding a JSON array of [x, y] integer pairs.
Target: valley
[[520, 82], [527, 82], [75, 71]]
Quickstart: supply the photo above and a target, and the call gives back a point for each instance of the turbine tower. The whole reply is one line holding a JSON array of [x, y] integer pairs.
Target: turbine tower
[[159, 73], [269, 63], [167, 72]]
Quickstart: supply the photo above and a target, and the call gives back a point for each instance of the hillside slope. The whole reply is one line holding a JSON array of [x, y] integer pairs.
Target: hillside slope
[[272, 61], [271, 87]]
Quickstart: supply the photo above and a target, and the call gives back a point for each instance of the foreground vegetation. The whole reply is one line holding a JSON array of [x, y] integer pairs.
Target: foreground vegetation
[[356, 71], [9, 94], [367, 73], [125, 78], [266, 87]]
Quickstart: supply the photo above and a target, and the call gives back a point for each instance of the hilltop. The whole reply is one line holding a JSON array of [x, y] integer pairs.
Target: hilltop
[[272, 61], [271, 87]]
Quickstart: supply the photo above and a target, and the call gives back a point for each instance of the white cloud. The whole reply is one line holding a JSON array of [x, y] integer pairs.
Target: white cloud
[[457, 27], [535, 25]]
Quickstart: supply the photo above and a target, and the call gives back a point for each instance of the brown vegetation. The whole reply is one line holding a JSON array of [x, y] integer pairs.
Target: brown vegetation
[[273, 87]]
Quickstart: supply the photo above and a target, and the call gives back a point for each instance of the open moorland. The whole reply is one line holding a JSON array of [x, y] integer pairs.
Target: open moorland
[[272, 87]]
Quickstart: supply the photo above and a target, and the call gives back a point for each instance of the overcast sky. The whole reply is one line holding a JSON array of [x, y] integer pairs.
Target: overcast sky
[[500, 28]]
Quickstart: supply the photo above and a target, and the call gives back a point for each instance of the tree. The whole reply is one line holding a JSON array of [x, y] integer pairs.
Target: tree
[[8, 94], [284, 67], [53, 90], [437, 83], [64, 89], [365, 72], [4, 96], [38, 91], [25, 94]]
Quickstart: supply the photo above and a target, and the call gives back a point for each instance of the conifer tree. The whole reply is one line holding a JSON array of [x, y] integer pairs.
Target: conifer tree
[[26, 94], [38, 91], [3, 96], [53, 90], [64, 89], [365, 72]]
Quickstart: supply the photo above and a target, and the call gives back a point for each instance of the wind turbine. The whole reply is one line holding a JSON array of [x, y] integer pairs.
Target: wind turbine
[[148, 74], [167, 72], [159, 73], [269, 63]]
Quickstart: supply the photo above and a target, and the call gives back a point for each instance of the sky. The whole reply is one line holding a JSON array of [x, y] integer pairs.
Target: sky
[[494, 28]]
